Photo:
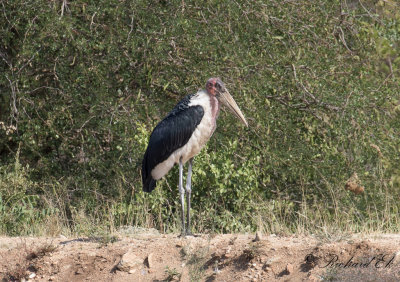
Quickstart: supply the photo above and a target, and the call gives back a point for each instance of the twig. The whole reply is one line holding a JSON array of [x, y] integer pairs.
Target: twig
[[4, 12], [386, 79], [13, 102], [369, 13], [6, 61], [129, 34], [294, 72], [54, 69], [389, 61], [64, 6], [315, 100], [341, 36], [30, 27], [346, 102], [300, 107], [92, 22], [30, 60], [326, 105], [84, 124]]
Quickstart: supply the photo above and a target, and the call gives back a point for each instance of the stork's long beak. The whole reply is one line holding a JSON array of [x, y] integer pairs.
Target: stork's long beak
[[228, 101]]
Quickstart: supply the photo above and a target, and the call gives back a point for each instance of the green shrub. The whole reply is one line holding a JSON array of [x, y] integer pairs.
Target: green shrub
[[84, 83]]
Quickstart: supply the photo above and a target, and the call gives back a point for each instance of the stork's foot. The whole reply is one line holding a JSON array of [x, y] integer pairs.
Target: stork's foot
[[187, 234]]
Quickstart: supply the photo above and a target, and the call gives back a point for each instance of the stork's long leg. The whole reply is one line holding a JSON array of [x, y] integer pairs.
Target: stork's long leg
[[188, 193], [182, 194]]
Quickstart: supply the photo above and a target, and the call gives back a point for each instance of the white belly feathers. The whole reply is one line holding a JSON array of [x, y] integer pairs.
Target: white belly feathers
[[199, 138]]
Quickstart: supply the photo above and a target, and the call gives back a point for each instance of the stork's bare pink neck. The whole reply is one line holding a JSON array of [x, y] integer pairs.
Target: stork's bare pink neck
[[214, 107]]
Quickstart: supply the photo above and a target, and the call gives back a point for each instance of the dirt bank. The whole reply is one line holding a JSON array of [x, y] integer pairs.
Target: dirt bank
[[149, 256]]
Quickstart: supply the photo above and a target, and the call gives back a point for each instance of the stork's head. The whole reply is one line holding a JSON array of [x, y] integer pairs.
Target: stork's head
[[216, 87]]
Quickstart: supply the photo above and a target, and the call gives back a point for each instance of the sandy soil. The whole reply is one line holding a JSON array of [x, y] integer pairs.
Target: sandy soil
[[149, 256]]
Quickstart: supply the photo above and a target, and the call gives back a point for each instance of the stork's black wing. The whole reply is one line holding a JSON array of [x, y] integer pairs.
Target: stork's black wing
[[173, 132]]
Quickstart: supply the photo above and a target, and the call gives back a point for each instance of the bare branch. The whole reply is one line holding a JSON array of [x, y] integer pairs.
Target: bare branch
[[3, 56], [27, 63], [369, 13], [319, 102], [13, 101], [92, 21], [312, 96], [131, 25], [341, 36]]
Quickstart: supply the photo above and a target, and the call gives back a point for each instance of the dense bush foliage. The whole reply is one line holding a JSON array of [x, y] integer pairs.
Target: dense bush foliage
[[83, 83]]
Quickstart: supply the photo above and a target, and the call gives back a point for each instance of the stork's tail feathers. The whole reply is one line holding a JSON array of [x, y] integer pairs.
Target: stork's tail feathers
[[149, 183]]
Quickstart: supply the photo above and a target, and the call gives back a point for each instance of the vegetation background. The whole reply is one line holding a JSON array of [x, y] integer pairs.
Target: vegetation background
[[84, 82]]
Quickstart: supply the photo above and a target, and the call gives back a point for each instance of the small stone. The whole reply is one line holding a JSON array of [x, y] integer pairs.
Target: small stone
[[129, 261], [289, 268], [258, 236], [32, 275], [150, 260], [132, 271], [229, 254], [267, 269]]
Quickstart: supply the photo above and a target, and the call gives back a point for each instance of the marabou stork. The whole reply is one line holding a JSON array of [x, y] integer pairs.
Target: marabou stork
[[182, 134]]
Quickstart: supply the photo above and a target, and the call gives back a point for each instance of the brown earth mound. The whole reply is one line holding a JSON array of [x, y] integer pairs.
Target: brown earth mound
[[149, 256]]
